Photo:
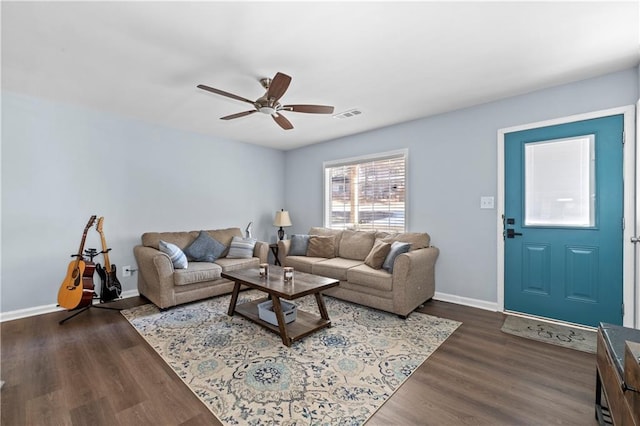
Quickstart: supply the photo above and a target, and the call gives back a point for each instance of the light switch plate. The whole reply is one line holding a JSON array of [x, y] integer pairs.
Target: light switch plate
[[487, 202]]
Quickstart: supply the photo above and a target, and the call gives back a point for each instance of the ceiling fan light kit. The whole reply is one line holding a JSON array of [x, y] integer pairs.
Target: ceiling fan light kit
[[268, 103], [267, 110]]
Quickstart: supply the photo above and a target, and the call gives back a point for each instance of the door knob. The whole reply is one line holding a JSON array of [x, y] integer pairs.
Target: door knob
[[511, 233], [635, 240]]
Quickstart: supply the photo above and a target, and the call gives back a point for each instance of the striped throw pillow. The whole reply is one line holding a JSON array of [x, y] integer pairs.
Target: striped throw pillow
[[176, 255], [241, 248]]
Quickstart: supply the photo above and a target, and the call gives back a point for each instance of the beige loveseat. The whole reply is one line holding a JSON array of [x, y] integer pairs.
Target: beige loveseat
[[410, 283], [167, 286]]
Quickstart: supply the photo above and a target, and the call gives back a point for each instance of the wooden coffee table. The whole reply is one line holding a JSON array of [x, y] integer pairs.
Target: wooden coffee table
[[274, 285]]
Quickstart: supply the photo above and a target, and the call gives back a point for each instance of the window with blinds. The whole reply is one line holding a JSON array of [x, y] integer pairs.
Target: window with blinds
[[367, 193]]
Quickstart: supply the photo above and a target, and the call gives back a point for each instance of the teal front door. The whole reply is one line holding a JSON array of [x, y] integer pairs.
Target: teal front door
[[563, 222]]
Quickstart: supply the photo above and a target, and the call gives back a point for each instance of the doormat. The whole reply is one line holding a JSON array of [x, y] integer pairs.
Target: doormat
[[556, 334]]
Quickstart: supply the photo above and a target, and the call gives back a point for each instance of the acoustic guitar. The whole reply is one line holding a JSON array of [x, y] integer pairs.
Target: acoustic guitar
[[76, 290], [111, 287]]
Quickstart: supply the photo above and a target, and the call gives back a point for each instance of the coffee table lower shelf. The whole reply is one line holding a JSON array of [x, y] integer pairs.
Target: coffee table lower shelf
[[304, 324]]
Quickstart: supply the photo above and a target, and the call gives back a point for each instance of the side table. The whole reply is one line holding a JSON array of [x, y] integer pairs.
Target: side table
[[618, 375], [274, 250]]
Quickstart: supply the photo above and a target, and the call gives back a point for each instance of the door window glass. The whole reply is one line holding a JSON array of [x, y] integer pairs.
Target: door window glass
[[559, 184]]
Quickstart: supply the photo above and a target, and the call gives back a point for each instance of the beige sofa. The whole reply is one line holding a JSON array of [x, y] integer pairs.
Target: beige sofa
[[167, 286], [411, 283]]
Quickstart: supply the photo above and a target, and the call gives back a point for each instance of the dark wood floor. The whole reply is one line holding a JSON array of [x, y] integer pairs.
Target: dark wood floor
[[96, 370]]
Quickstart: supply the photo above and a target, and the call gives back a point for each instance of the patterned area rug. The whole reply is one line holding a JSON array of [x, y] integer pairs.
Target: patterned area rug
[[556, 334], [245, 375]]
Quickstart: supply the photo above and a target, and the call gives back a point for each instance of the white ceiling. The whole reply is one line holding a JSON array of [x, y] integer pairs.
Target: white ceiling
[[394, 61]]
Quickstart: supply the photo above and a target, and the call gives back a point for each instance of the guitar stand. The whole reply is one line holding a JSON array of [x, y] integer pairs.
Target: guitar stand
[[91, 253], [81, 310]]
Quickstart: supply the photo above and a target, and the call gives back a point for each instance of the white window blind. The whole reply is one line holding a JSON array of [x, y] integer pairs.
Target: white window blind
[[367, 193]]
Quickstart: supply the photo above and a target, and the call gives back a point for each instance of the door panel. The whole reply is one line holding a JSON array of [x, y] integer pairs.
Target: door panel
[[536, 269], [581, 266], [564, 208]]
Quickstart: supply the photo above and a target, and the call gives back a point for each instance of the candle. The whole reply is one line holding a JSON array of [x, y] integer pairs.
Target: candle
[[288, 273], [264, 269]]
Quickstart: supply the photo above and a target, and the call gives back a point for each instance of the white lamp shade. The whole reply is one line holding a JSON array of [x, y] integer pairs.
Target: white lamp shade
[[282, 219]]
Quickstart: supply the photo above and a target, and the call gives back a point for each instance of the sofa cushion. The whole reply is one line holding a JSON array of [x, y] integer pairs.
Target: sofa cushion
[[204, 248], [366, 276], [320, 246], [378, 254], [181, 239], [176, 255], [328, 232], [418, 240], [334, 268], [229, 265], [356, 244], [302, 263], [197, 272], [241, 248], [299, 245], [397, 248]]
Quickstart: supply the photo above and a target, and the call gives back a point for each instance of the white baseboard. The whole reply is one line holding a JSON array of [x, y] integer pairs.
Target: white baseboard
[[47, 309], [466, 301]]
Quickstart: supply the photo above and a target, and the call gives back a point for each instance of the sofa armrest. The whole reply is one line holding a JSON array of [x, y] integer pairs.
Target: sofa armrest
[[414, 279], [283, 250], [261, 250], [155, 276]]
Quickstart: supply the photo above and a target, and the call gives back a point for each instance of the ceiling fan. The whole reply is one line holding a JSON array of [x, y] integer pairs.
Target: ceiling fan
[[268, 103]]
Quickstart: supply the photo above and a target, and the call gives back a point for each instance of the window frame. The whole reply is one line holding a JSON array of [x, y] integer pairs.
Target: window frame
[[327, 184]]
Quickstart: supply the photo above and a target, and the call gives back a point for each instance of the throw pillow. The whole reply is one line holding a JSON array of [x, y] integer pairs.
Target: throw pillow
[[396, 249], [205, 248], [241, 248], [299, 245], [321, 246], [378, 254], [176, 255]]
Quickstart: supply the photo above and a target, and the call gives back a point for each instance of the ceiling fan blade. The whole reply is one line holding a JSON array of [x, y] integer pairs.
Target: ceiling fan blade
[[237, 115], [278, 86], [282, 121], [223, 93], [313, 109]]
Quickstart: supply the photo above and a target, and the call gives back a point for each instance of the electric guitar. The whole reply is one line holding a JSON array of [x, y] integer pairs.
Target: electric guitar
[[77, 288], [111, 288]]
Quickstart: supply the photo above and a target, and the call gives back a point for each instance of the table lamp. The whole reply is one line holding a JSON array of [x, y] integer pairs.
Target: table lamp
[[282, 219]]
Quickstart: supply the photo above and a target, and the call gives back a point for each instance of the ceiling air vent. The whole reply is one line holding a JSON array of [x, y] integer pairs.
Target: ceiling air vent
[[348, 114]]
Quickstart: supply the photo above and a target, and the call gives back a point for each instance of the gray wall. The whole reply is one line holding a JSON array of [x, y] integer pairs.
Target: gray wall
[[452, 163], [61, 164]]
